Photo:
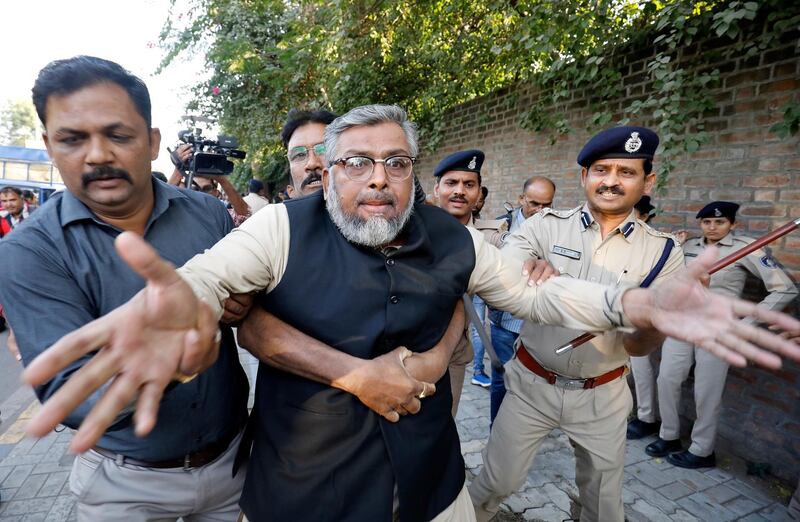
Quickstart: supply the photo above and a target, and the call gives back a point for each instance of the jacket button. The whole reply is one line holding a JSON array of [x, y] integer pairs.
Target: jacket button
[[390, 262], [394, 299]]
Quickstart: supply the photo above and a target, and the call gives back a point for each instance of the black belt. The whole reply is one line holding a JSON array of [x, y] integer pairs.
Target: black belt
[[195, 459]]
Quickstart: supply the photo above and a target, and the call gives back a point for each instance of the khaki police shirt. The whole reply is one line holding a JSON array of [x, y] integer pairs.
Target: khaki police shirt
[[494, 230], [570, 241], [730, 280], [254, 256]]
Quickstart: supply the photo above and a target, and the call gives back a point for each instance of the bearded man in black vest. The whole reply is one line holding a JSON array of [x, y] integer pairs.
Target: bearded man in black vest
[[363, 270]]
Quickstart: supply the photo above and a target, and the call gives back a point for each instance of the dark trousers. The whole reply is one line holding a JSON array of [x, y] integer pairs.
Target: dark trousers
[[503, 342]]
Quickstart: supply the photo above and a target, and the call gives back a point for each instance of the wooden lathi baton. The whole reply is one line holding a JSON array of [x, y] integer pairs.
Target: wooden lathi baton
[[719, 265]]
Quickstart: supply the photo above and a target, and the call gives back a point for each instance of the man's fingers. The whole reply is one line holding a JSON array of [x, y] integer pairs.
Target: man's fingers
[[119, 396], [95, 373], [233, 307], [703, 263], [428, 389], [144, 260], [768, 340], [721, 352], [528, 266], [201, 345], [780, 320], [391, 416], [243, 300], [412, 406], [749, 351], [12, 345], [69, 348], [147, 408]]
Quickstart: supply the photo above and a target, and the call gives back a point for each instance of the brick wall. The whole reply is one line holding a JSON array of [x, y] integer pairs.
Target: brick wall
[[742, 162]]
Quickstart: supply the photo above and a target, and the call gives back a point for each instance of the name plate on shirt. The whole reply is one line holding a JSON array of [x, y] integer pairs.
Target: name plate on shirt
[[566, 252]]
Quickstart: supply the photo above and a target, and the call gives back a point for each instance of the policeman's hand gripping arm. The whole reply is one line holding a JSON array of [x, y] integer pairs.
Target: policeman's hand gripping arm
[[161, 332]]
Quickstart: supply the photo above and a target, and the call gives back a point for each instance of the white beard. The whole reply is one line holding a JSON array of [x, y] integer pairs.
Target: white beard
[[373, 232]]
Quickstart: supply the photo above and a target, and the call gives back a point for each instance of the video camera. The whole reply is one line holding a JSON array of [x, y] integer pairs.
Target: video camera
[[210, 157]]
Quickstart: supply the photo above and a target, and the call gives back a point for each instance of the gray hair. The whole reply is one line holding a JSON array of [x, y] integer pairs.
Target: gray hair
[[369, 115]]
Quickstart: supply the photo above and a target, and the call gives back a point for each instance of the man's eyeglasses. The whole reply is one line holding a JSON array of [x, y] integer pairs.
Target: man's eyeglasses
[[300, 154], [359, 168]]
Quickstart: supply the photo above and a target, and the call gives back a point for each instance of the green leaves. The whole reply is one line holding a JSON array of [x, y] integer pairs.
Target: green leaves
[[791, 121], [268, 56]]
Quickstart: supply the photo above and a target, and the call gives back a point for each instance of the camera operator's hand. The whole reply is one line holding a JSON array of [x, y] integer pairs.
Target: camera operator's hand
[[181, 155]]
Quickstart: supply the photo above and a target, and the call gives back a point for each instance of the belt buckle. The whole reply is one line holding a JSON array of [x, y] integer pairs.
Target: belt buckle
[[569, 384]]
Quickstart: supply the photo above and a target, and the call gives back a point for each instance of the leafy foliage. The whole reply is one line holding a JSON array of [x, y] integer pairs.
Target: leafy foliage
[[267, 56], [791, 121], [17, 122]]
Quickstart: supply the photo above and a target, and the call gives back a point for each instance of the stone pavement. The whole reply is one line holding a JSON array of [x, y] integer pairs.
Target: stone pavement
[[34, 485]]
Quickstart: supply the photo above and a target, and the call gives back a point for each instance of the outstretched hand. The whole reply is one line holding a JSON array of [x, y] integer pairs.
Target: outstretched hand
[[162, 331], [684, 309]]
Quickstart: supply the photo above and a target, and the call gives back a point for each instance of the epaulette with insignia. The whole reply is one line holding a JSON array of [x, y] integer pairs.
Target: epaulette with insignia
[[743, 239], [559, 213], [653, 232], [501, 225]]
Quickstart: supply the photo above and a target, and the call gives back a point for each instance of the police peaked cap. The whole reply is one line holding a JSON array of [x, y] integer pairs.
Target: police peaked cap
[[619, 142], [255, 185], [463, 160], [644, 206], [724, 209]]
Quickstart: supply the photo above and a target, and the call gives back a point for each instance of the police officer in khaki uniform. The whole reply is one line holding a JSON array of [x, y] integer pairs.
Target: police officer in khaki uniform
[[717, 219], [584, 392], [644, 378], [457, 191]]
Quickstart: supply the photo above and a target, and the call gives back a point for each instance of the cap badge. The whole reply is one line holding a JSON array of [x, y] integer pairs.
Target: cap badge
[[717, 213], [634, 143], [472, 162]]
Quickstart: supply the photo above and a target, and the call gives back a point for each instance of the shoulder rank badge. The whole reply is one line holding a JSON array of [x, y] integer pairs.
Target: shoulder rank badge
[[768, 262], [634, 143], [566, 252]]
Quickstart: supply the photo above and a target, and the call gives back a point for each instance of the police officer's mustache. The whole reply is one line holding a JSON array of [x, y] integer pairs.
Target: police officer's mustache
[[615, 189], [311, 178], [105, 172], [459, 199]]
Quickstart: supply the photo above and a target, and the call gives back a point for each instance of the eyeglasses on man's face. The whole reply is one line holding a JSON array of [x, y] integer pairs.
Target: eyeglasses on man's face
[[301, 153], [359, 168]]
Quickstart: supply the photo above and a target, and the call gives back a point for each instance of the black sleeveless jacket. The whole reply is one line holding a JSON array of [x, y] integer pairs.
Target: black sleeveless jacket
[[319, 454]]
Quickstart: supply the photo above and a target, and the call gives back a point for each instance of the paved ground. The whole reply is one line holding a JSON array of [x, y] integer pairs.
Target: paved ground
[[34, 486]]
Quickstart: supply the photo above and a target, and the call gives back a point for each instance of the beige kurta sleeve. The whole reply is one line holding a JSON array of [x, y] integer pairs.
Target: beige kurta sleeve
[[562, 301], [780, 287], [251, 258]]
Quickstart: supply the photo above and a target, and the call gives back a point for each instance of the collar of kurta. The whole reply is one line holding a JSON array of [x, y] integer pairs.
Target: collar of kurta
[[626, 228], [73, 209]]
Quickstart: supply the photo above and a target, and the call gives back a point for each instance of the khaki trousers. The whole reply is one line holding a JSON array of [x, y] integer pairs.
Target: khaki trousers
[[595, 420], [462, 356], [459, 511], [709, 384], [111, 492], [644, 379]]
